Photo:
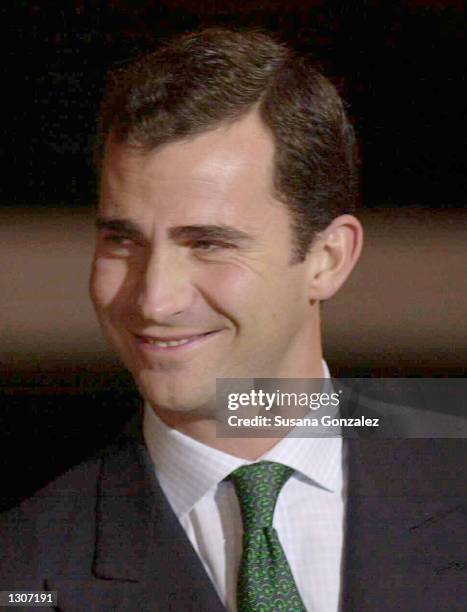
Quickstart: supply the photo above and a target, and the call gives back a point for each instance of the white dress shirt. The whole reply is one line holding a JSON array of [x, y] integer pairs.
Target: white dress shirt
[[309, 515]]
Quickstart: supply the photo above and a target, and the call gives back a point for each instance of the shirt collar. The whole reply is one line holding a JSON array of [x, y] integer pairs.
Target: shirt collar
[[317, 459], [187, 469]]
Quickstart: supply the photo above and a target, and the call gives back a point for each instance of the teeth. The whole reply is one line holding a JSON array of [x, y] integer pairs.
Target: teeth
[[169, 343]]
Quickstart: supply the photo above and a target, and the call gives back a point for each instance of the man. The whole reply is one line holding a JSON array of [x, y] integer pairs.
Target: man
[[225, 218]]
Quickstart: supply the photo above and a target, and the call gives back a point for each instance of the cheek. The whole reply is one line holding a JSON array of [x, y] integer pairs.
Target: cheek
[[247, 296], [107, 279], [266, 304], [228, 287]]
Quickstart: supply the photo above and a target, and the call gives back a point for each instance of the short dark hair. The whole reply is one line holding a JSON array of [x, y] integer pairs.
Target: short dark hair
[[199, 81]]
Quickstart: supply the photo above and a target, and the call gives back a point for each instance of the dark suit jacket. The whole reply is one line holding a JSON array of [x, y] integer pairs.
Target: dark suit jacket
[[104, 536]]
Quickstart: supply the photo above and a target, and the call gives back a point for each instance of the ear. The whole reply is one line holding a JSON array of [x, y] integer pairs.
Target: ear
[[333, 255]]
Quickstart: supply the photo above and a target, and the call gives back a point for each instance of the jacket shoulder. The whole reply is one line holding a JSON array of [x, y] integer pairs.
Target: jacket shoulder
[[34, 532]]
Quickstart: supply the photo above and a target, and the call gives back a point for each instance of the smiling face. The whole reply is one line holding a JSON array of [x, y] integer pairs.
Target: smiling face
[[192, 279]]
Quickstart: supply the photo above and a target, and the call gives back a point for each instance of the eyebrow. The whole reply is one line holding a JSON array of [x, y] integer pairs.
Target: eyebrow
[[184, 232]]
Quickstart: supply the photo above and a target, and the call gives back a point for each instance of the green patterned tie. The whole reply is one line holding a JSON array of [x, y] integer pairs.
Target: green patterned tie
[[265, 581]]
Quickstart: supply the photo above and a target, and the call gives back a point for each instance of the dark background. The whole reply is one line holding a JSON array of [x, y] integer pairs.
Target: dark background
[[399, 66]]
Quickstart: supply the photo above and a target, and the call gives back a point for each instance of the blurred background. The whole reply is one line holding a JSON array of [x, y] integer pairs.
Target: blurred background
[[399, 67]]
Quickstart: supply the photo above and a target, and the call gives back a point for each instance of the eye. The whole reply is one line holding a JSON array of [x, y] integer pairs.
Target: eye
[[117, 245], [209, 245], [118, 239]]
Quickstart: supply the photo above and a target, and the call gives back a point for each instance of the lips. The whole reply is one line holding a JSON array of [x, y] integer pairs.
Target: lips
[[171, 341]]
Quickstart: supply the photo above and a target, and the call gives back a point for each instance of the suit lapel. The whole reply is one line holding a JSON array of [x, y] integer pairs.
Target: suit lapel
[[139, 538], [126, 505], [141, 557]]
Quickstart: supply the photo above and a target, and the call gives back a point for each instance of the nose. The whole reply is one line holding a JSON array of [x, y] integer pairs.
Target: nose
[[166, 289]]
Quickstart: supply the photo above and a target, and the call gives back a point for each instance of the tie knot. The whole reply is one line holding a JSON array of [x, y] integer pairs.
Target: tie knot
[[258, 486]]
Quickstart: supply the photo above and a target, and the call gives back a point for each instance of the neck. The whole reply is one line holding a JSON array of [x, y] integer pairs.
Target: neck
[[203, 429]]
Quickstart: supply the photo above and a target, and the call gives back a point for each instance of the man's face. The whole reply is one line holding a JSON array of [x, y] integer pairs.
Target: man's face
[[192, 278]]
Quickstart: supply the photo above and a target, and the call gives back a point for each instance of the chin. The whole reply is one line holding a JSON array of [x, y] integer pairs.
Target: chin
[[177, 396]]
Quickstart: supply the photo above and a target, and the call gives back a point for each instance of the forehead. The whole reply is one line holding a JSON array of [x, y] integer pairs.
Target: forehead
[[229, 165]]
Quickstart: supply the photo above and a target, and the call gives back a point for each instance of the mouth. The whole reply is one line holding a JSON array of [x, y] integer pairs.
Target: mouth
[[173, 343]]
